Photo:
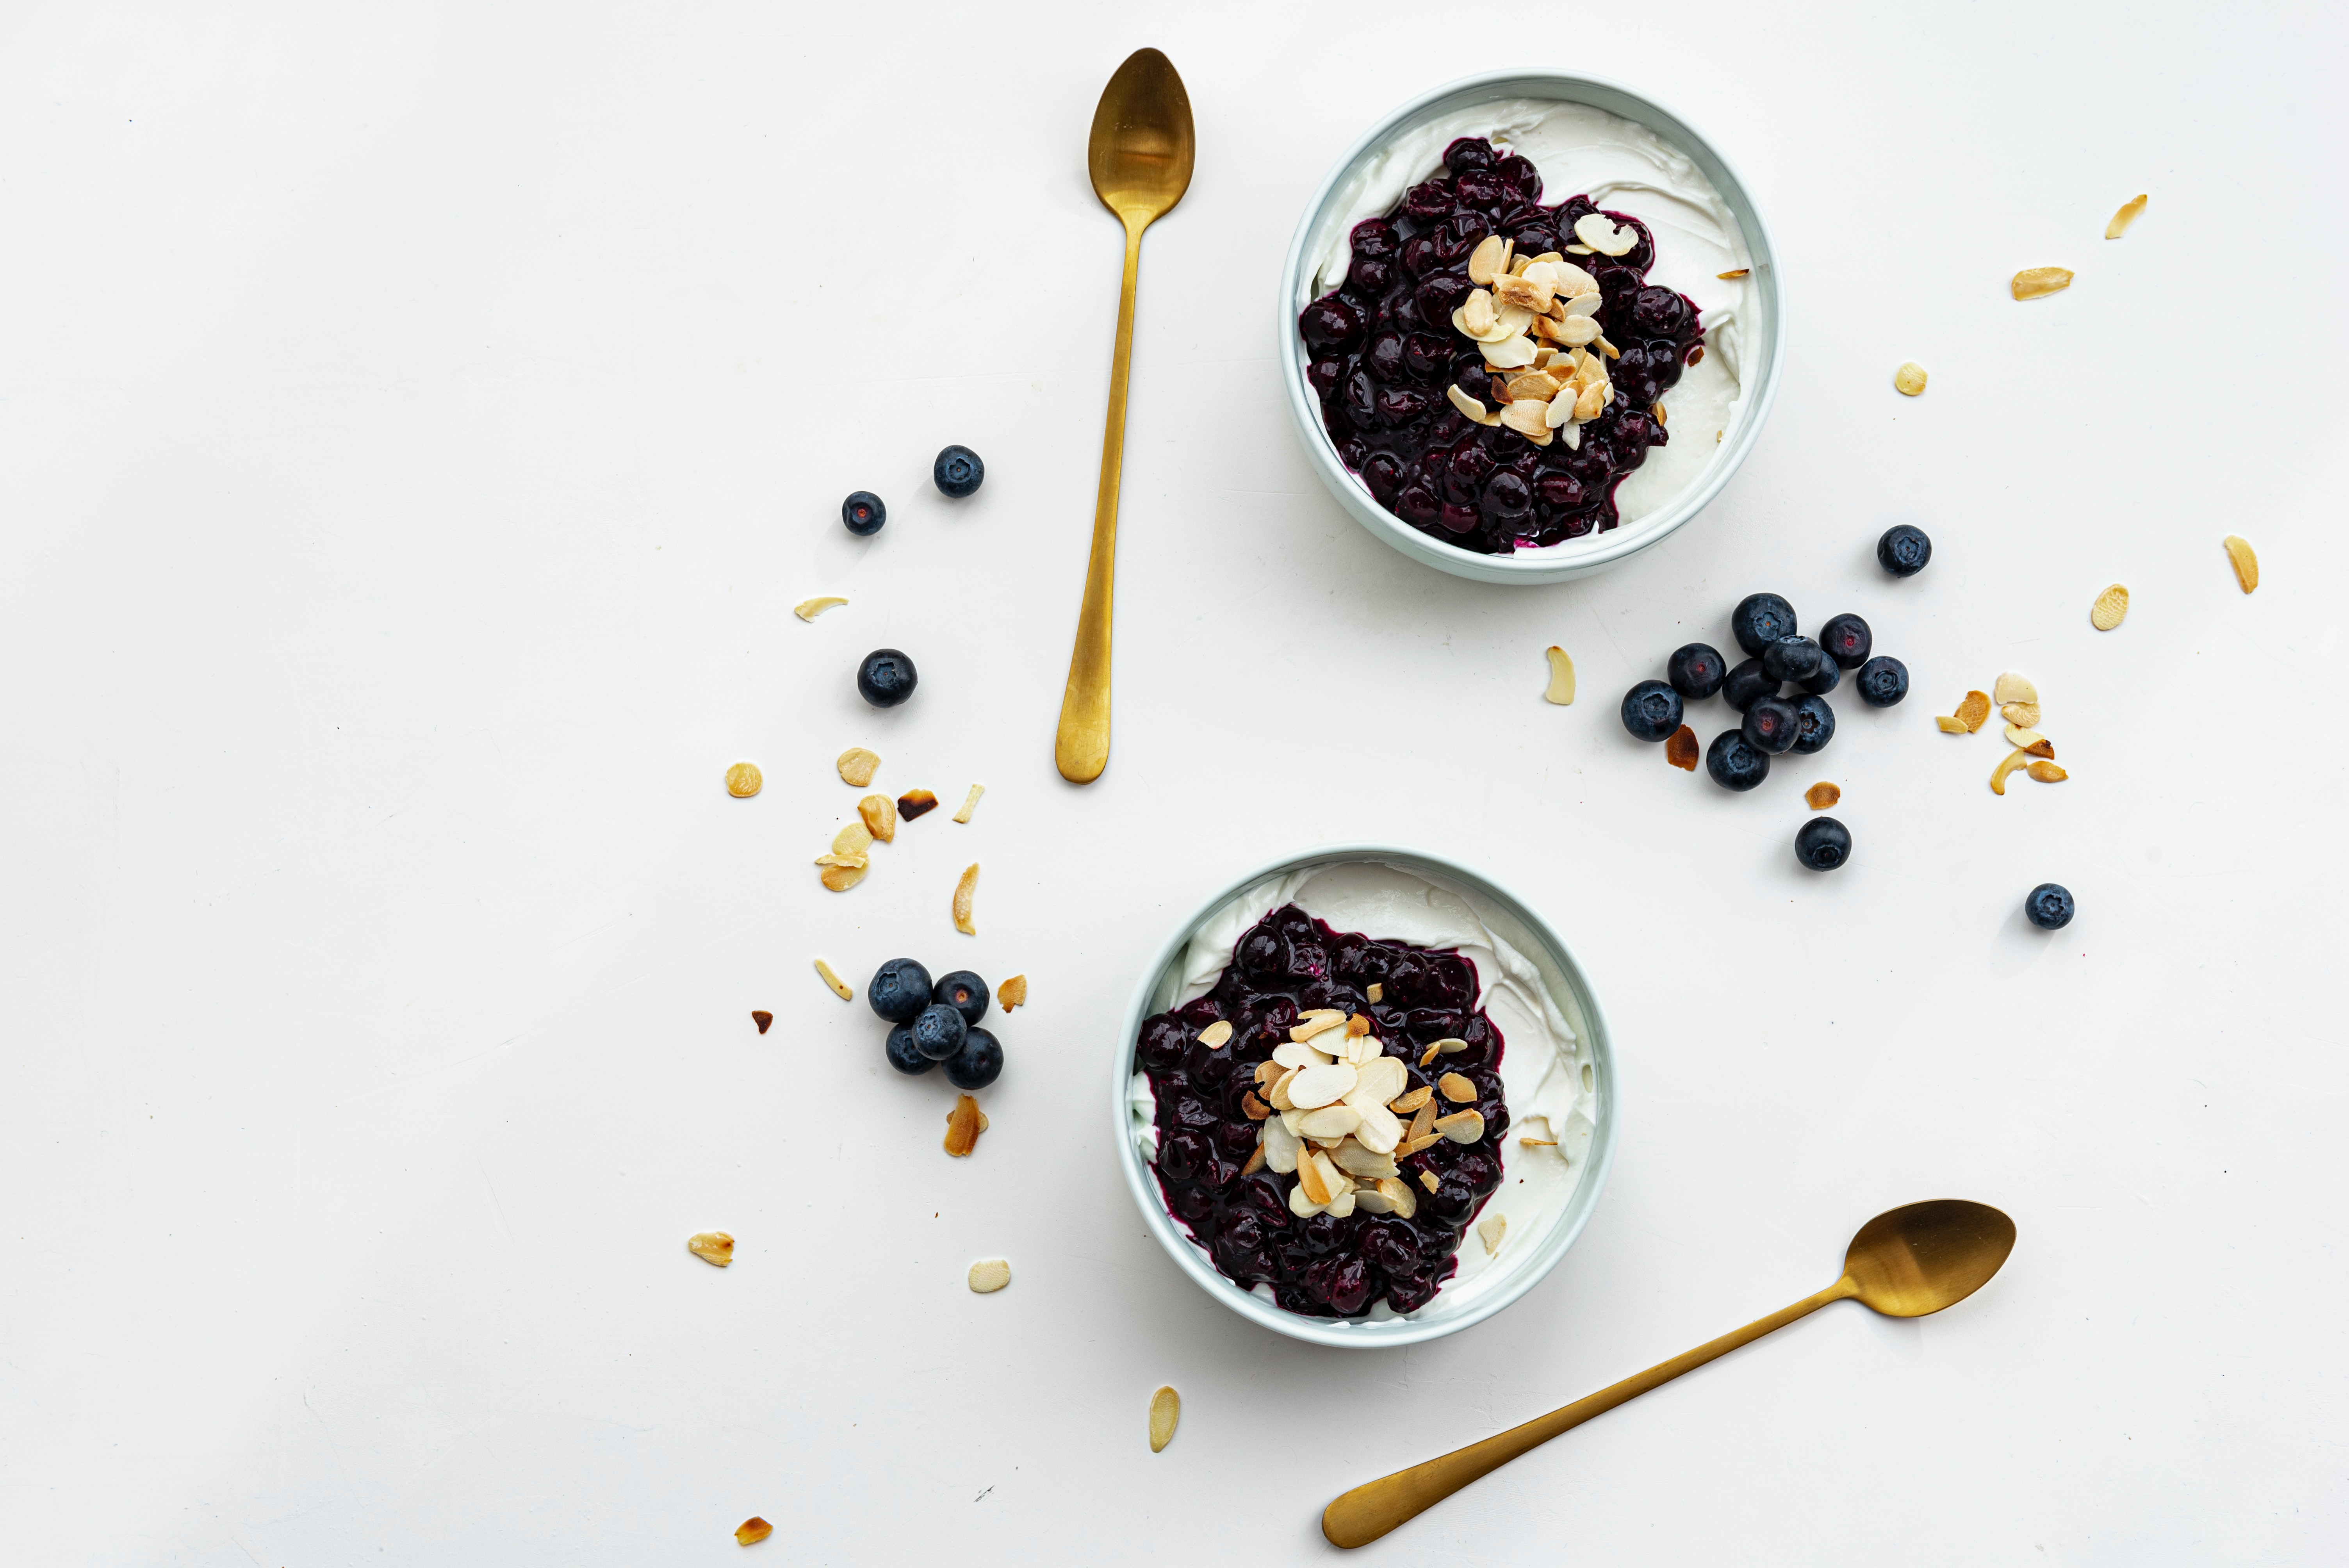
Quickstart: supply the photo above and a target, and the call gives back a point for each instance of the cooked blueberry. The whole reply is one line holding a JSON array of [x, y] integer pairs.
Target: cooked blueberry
[[963, 991], [1791, 659], [1651, 710], [1814, 724], [1882, 682], [901, 1052], [863, 512], [1847, 641], [1760, 620], [1696, 671], [2049, 907], [885, 678], [1748, 684], [1823, 843], [1772, 725], [938, 1031], [1828, 677], [900, 989], [979, 1063], [1733, 764], [958, 471], [1903, 551]]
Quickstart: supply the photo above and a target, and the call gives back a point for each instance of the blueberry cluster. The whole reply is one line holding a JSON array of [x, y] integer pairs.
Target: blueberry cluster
[[936, 1022], [956, 473]]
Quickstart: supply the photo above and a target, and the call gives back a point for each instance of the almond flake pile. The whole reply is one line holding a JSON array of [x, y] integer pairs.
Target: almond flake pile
[[1536, 320], [844, 866], [2018, 702], [1333, 1110]]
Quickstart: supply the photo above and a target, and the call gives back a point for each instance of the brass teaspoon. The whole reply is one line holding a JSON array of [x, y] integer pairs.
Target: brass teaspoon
[[1904, 1263], [1139, 156]]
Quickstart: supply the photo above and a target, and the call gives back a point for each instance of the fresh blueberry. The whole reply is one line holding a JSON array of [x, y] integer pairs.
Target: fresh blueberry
[[2049, 907], [1760, 620], [1882, 682], [1847, 641], [1696, 671], [1815, 723], [1823, 843], [963, 991], [864, 513], [1829, 677], [900, 989], [958, 471], [1791, 659], [1733, 764], [1903, 551], [938, 1031], [885, 678], [1772, 725], [902, 1054], [979, 1063], [1748, 684], [1651, 710]]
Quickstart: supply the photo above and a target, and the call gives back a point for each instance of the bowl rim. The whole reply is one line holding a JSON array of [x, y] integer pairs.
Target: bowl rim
[[1558, 563], [1358, 1335]]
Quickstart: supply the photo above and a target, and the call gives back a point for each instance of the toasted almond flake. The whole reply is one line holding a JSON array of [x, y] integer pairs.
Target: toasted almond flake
[[1733, 272], [1378, 1131], [2008, 763], [840, 988], [2018, 736], [1377, 992], [1450, 1046], [1255, 1160], [989, 1276], [1509, 353], [1457, 1088], [1489, 1231], [1657, 409], [1403, 1104], [752, 1530], [762, 1020], [1315, 1086], [964, 1124], [839, 878], [1586, 408], [1012, 993], [1281, 1147], [2012, 688], [1487, 259], [1681, 750], [970, 803], [1588, 303], [1910, 379], [1500, 390], [809, 609], [711, 1247], [2042, 747], [1358, 1026], [1525, 295], [1952, 725], [1469, 405], [1580, 251], [1974, 712], [1314, 1021], [1298, 1054], [916, 803], [1821, 795], [1165, 1410], [1532, 384], [2025, 714], [1525, 419], [1379, 1080], [2125, 217], [1561, 676], [1461, 1126], [2246, 563], [1427, 1056], [2037, 282], [1427, 1179], [743, 781], [2111, 605], [853, 839], [1216, 1034], [1611, 352], [1422, 1124], [880, 815], [1537, 1143], [854, 863], [857, 766], [1476, 314], [1372, 1201], [1316, 1187], [964, 888], [1254, 1108], [1277, 1095], [1604, 235], [1265, 1071], [2048, 773]]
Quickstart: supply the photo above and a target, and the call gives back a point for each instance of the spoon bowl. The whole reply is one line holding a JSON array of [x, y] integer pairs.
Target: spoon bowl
[[1911, 1261]]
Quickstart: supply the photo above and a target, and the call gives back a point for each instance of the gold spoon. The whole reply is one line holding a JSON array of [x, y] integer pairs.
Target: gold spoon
[[1139, 156], [1905, 1263]]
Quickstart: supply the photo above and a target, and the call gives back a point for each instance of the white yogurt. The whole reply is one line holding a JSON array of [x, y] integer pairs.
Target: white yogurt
[[1546, 1077], [1625, 167]]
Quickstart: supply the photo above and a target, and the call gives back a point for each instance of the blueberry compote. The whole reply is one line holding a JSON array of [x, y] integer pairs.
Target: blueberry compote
[[1324, 1267], [1383, 348]]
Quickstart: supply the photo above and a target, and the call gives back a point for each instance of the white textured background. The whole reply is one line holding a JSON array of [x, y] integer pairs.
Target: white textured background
[[416, 421]]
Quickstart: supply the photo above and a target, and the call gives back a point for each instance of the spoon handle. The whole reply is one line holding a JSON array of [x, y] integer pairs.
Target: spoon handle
[[1371, 1509], [1081, 746]]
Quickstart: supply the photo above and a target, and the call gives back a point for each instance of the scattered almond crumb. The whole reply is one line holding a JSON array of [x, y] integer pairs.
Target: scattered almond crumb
[[1952, 725], [1733, 272], [1821, 795], [880, 814], [840, 988], [989, 1276], [970, 803], [2016, 734], [1377, 992], [857, 766], [743, 781], [2042, 747], [853, 839], [1538, 1142], [1974, 712], [762, 1018], [752, 1530], [963, 890], [916, 803], [2110, 607], [964, 1124], [1489, 1230], [2025, 714], [1910, 379], [839, 878], [1012, 993], [1680, 749], [2247, 565], [809, 609], [2013, 760], [1166, 1412], [711, 1247], [1218, 1035], [2012, 688], [1427, 1179], [2125, 217], [2048, 773], [1561, 677], [2037, 282]]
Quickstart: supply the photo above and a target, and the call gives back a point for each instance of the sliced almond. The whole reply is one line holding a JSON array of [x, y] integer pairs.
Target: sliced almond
[[1427, 1056], [1509, 353], [1411, 1146], [1378, 1131], [1469, 405], [1012, 993], [2038, 283], [853, 839], [2018, 736], [840, 988], [1217, 1034], [1254, 1108], [839, 878], [1488, 258], [1476, 314], [1461, 1126], [1403, 1201], [1365, 1164], [1457, 1088], [1579, 250], [1165, 1410], [1427, 1179], [1422, 1124], [1317, 1087], [916, 803], [1316, 1186], [1403, 1104], [1974, 712], [1298, 1054], [2025, 714], [2125, 217], [1681, 750], [2110, 607], [2048, 773], [762, 1020], [1277, 1095], [1358, 1026], [970, 803], [809, 609], [1733, 272], [1343, 1204], [1451, 1045], [2008, 763], [1604, 235], [752, 1530], [2042, 747], [964, 1125], [1265, 1072], [965, 887], [1371, 1200], [1910, 379], [1303, 1207], [1537, 1143], [2246, 563], [880, 814], [1952, 725], [1588, 303], [2012, 688], [857, 766], [1255, 1162], [1592, 402], [1821, 795], [1575, 331], [1524, 294], [1532, 384], [1526, 419], [711, 1247], [1377, 992], [1315, 1022], [1281, 1147], [1489, 1231], [989, 1276], [743, 781]]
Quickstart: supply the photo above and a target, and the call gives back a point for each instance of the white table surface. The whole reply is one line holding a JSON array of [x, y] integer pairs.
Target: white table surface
[[417, 421]]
